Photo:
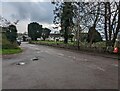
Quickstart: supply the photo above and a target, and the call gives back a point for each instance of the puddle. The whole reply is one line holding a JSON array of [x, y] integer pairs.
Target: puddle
[[21, 63], [35, 59]]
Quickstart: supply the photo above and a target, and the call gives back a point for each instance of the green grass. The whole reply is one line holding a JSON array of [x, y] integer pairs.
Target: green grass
[[82, 44], [10, 51], [49, 42]]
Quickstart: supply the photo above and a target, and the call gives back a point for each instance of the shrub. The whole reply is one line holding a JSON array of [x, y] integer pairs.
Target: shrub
[[7, 44]]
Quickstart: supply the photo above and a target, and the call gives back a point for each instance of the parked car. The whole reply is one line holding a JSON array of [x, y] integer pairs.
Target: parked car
[[117, 45], [19, 42], [117, 42]]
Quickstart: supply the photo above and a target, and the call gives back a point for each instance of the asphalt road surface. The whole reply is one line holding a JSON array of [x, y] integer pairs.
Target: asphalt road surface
[[57, 69]]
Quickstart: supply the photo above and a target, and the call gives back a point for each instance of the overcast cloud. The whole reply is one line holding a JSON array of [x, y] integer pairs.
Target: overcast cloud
[[27, 12]]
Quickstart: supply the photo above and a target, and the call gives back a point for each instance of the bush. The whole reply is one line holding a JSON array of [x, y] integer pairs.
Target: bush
[[7, 44], [99, 44]]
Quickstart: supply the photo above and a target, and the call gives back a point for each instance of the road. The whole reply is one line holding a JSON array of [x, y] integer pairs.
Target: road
[[57, 69]]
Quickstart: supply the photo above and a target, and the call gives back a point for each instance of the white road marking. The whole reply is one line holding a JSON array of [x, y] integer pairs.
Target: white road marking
[[100, 68]]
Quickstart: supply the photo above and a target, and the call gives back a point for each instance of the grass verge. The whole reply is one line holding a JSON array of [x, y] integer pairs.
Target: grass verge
[[52, 42], [10, 51]]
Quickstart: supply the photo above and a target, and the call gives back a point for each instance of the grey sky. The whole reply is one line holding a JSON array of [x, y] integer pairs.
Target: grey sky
[[26, 12]]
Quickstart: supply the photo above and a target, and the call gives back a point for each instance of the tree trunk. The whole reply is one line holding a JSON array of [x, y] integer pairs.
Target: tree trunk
[[105, 24], [94, 26], [92, 29], [109, 21], [66, 35], [44, 39], [113, 21], [118, 26]]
